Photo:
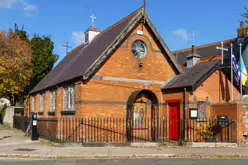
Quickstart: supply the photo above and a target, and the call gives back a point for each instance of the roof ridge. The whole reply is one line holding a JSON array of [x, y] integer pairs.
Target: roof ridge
[[198, 73], [214, 58], [118, 22], [203, 46], [134, 15], [79, 46]]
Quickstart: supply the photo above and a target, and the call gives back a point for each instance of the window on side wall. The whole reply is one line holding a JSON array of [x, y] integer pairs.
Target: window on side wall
[[33, 104], [42, 102], [69, 98], [53, 101], [202, 116]]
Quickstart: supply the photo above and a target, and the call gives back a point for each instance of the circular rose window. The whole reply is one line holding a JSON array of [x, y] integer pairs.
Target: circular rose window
[[139, 49]]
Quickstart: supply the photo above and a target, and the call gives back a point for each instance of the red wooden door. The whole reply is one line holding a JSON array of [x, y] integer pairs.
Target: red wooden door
[[174, 120]]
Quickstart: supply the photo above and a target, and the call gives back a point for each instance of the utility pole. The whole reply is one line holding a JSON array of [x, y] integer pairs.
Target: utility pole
[[232, 69], [240, 65], [144, 15]]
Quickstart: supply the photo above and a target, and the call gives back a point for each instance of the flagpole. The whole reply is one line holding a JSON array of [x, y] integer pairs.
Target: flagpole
[[240, 63], [232, 69], [222, 53]]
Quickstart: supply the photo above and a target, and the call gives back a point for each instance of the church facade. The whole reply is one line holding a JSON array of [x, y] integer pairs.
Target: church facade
[[128, 71]]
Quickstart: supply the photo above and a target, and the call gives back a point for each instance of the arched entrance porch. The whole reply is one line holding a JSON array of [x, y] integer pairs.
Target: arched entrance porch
[[142, 116]]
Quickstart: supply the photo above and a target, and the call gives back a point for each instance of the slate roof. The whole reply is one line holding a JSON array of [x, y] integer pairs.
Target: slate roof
[[205, 51], [193, 76], [93, 28], [82, 61], [78, 60]]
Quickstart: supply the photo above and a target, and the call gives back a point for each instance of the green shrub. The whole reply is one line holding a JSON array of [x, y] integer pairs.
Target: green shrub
[[2, 112]]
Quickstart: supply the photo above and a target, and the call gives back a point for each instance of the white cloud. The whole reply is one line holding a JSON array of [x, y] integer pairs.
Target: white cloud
[[182, 34], [29, 9], [78, 37], [8, 3]]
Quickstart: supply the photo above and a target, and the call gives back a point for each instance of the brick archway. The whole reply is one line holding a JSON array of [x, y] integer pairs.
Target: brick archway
[[147, 125]]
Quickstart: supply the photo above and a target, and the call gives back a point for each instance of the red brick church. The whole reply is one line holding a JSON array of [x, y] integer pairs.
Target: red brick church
[[128, 71]]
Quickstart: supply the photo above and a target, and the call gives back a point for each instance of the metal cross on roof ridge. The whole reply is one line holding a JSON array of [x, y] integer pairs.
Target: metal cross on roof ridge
[[93, 19], [67, 46], [222, 51], [193, 37]]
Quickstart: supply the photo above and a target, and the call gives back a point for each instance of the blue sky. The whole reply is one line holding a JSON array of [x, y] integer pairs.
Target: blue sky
[[213, 20]]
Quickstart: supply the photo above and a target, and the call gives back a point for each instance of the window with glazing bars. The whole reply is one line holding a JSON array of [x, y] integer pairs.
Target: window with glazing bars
[[53, 101], [69, 98]]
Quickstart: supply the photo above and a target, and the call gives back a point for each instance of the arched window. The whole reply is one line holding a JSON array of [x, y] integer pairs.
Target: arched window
[[42, 102], [202, 116], [69, 98], [53, 101], [139, 114], [33, 104]]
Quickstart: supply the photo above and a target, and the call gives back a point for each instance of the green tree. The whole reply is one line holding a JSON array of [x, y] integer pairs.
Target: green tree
[[21, 33], [43, 57]]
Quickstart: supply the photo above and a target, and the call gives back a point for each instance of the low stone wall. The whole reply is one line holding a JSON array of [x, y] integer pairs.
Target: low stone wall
[[9, 113], [245, 117]]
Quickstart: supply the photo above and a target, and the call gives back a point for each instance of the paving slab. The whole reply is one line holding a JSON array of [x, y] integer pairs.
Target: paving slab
[[9, 137], [15, 145], [44, 152]]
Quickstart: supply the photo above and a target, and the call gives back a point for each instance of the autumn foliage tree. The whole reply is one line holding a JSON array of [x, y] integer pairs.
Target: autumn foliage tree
[[15, 64]]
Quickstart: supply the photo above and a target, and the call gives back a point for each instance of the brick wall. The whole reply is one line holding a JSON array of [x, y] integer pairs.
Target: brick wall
[[100, 98], [217, 88], [235, 113], [108, 98], [124, 64]]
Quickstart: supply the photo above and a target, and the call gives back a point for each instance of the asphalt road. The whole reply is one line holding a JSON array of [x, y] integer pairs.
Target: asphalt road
[[130, 162]]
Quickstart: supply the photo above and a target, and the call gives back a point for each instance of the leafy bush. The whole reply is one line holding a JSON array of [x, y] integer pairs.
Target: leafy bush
[[2, 113]]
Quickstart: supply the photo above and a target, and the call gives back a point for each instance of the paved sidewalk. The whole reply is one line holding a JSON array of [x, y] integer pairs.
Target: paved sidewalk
[[9, 137], [14, 144], [39, 151]]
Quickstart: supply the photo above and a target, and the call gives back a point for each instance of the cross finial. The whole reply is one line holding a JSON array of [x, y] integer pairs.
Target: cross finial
[[93, 19], [222, 51], [67, 46], [193, 37]]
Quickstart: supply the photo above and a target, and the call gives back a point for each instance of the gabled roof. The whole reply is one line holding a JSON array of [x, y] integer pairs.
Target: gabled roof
[[93, 28], [83, 61], [193, 77], [205, 51]]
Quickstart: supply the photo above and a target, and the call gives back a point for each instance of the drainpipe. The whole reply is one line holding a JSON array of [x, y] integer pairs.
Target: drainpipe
[[186, 116]]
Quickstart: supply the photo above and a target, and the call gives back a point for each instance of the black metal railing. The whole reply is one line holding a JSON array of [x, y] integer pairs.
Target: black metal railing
[[21, 123], [103, 131]]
